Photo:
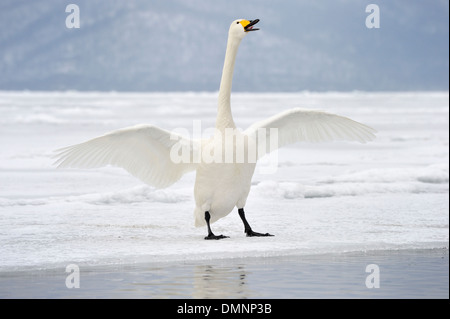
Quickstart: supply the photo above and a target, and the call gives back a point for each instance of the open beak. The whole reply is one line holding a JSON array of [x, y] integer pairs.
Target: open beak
[[249, 26]]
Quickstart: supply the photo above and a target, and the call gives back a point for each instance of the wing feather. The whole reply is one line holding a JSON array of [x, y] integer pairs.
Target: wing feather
[[142, 150], [297, 125]]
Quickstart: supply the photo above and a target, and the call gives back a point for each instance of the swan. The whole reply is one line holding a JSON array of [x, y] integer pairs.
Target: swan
[[146, 151]]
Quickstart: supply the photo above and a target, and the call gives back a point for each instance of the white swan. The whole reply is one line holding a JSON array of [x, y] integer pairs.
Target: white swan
[[145, 150]]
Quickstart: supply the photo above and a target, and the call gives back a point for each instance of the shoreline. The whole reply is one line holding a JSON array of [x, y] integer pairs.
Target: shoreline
[[403, 273], [142, 260]]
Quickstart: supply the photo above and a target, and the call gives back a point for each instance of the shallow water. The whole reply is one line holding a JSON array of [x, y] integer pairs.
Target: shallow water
[[402, 274]]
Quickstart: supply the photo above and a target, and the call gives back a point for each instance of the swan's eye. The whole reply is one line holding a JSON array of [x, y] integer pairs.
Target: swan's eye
[[237, 22]]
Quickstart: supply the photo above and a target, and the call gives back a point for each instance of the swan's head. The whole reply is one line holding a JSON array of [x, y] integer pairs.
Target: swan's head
[[239, 28]]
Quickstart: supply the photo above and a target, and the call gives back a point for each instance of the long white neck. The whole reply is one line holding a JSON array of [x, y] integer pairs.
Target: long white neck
[[224, 116]]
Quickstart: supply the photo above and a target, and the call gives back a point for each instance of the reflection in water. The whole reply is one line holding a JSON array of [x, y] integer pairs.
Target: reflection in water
[[192, 280], [408, 274], [220, 282]]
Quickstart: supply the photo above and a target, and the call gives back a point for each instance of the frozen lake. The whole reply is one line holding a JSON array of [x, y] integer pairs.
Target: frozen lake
[[389, 194]]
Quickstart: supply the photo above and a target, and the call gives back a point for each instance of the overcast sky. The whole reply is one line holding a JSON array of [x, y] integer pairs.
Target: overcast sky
[[179, 45]]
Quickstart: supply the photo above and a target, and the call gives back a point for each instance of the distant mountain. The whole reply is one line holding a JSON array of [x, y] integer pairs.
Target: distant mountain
[[178, 45]]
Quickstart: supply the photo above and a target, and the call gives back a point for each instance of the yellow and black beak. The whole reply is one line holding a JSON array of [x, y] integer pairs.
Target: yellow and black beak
[[248, 25]]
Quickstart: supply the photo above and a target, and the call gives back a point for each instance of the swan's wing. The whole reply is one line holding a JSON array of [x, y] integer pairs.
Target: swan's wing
[[298, 125], [145, 151]]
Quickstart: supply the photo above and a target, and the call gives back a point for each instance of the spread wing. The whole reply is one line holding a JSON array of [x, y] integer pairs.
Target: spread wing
[[298, 125], [145, 151]]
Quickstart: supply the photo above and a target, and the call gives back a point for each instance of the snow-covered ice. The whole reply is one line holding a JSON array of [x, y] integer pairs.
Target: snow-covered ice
[[388, 194]]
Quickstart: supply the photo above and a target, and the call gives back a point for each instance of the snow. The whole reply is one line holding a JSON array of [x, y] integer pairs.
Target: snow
[[335, 197]]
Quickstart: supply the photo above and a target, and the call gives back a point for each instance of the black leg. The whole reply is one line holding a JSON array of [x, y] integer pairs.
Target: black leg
[[210, 233], [247, 229]]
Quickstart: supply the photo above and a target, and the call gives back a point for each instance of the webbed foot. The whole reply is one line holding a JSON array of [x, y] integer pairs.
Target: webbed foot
[[252, 233], [212, 236]]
